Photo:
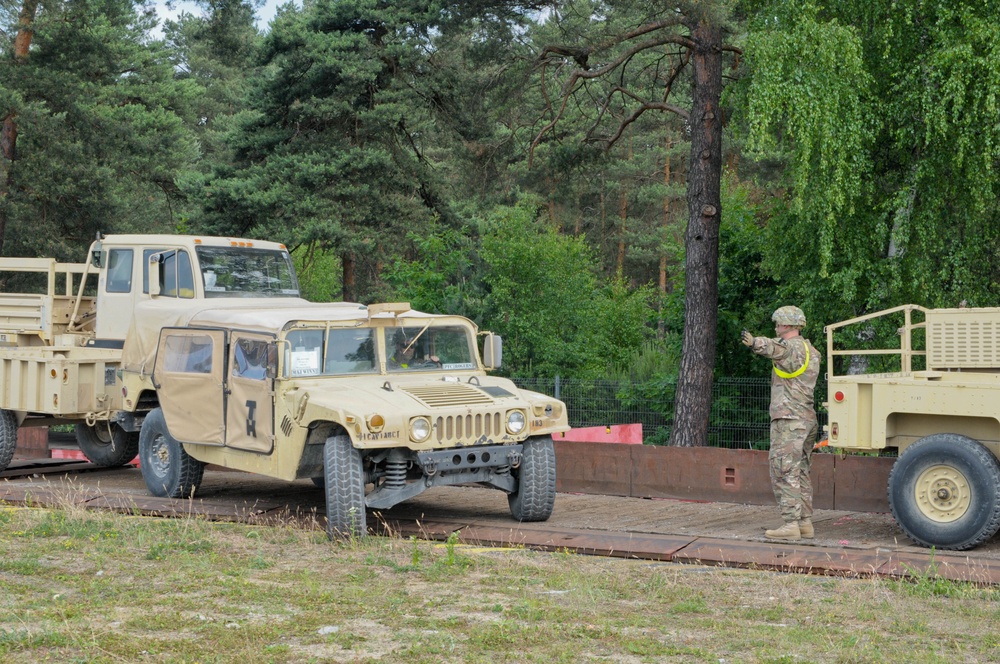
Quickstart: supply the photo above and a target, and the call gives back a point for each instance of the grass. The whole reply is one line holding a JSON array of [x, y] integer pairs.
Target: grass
[[83, 586]]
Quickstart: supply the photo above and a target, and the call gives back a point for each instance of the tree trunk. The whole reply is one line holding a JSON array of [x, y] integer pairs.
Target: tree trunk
[[701, 240], [8, 130], [347, 282]]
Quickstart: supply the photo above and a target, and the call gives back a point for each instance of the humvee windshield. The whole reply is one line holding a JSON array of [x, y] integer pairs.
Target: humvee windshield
[[247, 272], [334, 352], [446, 347]]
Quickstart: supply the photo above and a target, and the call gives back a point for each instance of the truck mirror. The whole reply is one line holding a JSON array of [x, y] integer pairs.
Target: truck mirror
[[155, 274], [492, 351], [97, 255]]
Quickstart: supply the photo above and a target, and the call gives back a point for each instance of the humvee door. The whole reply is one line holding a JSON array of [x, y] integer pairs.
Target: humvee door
[[188, 374], [250, 407]]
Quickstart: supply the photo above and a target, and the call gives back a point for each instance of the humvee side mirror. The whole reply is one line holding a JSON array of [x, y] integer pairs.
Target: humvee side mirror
[[272, 361], [492, 351]]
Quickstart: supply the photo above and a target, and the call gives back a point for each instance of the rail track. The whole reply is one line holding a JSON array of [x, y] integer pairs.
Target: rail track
[[59, 482]]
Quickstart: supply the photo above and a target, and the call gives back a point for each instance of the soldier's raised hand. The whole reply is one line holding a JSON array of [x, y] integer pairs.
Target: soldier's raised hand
[[746, 338]]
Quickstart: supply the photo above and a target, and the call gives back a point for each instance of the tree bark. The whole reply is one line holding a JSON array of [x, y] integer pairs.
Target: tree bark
[[8, 129], [347, 282], [701, 240]]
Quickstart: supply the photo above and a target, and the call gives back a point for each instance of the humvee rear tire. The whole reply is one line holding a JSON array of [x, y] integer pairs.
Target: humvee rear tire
[[944, 492], [169, 471], [536, 481], [345, 489], [8, 438], [107, 444]]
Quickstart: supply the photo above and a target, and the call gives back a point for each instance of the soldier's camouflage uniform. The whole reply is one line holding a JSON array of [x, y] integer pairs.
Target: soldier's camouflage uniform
[[793, 422]]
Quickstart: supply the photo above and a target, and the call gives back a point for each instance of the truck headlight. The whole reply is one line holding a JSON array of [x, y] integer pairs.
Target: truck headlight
[[420, 429], [515, 422]]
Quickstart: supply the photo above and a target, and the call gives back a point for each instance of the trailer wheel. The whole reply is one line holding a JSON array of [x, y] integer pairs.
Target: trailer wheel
[[536, 481], [944, 491], [107, 444], [345, 489], [169, 471], [8, 438]]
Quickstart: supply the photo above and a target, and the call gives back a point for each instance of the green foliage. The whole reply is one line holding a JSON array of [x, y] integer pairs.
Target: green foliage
[[546, 300], [103, 128], [438, 273], [318, 271], [902, 95], [805, 99]]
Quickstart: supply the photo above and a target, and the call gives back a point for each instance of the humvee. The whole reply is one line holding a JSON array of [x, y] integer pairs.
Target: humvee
[[932, 395], [199, 350]]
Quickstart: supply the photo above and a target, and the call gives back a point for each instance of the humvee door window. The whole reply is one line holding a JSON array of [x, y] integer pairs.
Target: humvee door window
[[250, 357], [119, 271], [305, 352], [349, 351], [428, 348], [188, 354]]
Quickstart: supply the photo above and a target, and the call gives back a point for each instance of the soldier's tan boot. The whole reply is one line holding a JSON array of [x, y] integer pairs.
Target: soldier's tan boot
[[806, 528], [789, 531]]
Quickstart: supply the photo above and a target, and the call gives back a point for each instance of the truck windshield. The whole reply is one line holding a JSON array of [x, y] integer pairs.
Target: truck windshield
[[247, 272], [434, 348]]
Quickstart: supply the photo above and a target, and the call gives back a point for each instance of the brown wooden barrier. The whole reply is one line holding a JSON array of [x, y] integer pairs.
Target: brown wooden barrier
[[713, 474], [32, 443]]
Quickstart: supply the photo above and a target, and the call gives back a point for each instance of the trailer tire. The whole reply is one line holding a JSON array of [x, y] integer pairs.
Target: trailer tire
[[107, 444], [944, 492], [536, 481], [169, 471], [8, 438], [345, 489]]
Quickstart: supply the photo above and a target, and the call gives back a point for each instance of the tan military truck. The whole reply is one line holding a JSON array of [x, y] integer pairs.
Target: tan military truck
[[932, 393], [197, 350]]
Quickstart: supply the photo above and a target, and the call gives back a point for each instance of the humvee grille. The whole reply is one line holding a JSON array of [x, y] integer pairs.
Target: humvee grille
[[468, 428], [445, 395]]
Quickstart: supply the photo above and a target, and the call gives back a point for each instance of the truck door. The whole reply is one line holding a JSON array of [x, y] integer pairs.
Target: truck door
[[250, 407], [188, 375]]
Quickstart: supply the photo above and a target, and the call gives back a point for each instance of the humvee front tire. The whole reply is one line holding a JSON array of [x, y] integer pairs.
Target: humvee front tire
[[8, 437], [345, 489], [536, 481], [944, 492], [107, 444], [169, 471]]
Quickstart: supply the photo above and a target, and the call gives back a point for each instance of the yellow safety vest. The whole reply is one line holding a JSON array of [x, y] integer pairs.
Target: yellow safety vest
[[798, 372]]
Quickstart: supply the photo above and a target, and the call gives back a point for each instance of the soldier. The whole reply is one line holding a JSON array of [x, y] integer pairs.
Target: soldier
[[793, 419]]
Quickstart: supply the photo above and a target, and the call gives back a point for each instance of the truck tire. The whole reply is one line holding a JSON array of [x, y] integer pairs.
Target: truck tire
[[8, 438], [536, 481], [107, 444], [169, 471], [944, 492], [345, 489]]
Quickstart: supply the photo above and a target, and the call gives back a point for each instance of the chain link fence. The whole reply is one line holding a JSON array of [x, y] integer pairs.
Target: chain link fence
[[739, 417]]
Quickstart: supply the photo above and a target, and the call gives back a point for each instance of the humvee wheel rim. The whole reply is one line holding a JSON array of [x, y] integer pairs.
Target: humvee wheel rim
[[161, 456], [102, 434], [942, 494]]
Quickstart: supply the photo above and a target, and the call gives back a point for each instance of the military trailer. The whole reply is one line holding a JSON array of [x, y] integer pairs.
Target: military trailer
[[199, 350], [933, 397]]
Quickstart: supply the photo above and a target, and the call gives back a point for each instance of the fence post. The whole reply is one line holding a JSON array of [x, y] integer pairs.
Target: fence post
[[556, 395]]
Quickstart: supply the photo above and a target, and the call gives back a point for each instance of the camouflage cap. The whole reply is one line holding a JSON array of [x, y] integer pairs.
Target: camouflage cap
[[789, 316]]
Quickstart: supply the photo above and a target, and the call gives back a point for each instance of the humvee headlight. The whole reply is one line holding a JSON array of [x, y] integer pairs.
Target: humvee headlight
[[420, 429], [376, 423], [515, 422]]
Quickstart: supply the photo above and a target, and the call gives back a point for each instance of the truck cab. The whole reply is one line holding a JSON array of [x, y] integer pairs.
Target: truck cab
[[183, 268]]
